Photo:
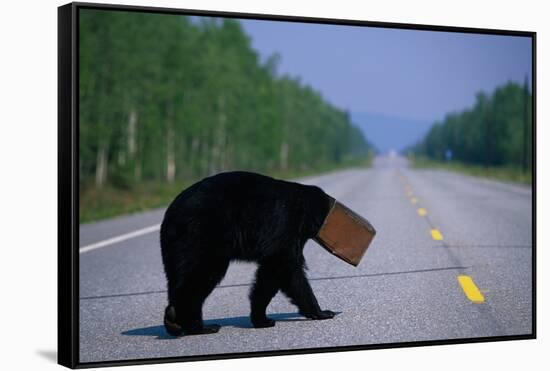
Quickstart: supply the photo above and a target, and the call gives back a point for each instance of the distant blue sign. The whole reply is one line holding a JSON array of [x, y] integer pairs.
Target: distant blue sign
[[448, 155]]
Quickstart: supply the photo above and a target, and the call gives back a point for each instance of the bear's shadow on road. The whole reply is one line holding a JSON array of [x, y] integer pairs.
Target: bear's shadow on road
[[241, 322]]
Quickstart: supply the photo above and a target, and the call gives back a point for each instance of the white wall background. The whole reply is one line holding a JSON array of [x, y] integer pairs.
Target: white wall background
[[28, 181]]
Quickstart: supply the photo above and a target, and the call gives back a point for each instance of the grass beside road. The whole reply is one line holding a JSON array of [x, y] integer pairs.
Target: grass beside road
[[109, 201], [97, 204], [505, 173]]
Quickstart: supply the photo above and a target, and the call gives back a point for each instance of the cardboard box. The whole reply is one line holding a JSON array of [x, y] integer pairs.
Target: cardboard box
[[345, 234]]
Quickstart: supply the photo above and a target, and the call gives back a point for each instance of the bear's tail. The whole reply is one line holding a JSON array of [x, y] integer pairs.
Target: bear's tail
[[170, 324]]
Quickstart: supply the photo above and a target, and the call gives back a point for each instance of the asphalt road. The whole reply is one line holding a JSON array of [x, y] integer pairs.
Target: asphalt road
[[405, 289]]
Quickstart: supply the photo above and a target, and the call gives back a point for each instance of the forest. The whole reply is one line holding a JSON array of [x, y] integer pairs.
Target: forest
[[496, 132], [170, 99]]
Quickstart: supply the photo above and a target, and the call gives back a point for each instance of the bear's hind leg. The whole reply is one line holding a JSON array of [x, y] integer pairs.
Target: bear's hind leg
[[190, 298], [192, 323]]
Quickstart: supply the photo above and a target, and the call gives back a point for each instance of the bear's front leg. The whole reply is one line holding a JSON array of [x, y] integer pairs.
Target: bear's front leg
[[298, 289], [265, 287]]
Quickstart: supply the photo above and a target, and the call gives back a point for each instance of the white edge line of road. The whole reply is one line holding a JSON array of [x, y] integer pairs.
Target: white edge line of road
[[117, 239]]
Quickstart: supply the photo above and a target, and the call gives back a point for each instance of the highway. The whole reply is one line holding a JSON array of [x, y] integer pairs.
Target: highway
[[452, 259]]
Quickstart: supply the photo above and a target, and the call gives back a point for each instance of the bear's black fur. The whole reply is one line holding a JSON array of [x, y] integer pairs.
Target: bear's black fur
[[239, 216]]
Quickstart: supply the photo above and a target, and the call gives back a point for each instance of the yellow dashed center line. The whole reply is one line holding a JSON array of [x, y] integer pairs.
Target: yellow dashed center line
[[436, 235], [470, 289], [466, 282]]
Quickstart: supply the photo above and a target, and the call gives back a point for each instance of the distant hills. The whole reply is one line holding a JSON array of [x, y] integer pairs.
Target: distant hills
[[387, 132]]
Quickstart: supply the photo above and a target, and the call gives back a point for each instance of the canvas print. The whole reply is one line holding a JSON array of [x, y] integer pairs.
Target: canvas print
[[262, 185]]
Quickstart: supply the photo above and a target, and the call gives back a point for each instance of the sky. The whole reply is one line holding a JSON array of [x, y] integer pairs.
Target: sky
[[408, 74]]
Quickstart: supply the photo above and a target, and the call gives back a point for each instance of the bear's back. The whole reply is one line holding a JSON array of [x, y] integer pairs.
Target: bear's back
[[236, 188], [229, 196]]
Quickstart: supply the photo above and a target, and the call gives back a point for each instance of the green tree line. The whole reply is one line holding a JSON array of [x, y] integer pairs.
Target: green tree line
[[165, 98], [496, 131]]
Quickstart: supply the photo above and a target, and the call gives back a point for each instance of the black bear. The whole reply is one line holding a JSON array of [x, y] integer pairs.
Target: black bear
[[239, 216]]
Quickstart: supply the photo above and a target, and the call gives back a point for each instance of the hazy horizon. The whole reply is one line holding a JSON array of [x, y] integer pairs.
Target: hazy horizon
[[412, 75]]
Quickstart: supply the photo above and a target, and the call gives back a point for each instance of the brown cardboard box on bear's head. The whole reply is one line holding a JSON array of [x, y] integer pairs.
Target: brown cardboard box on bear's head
[[345, 234]]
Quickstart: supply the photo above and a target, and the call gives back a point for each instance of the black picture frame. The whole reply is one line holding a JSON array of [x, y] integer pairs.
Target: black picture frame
[[68, 177]]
